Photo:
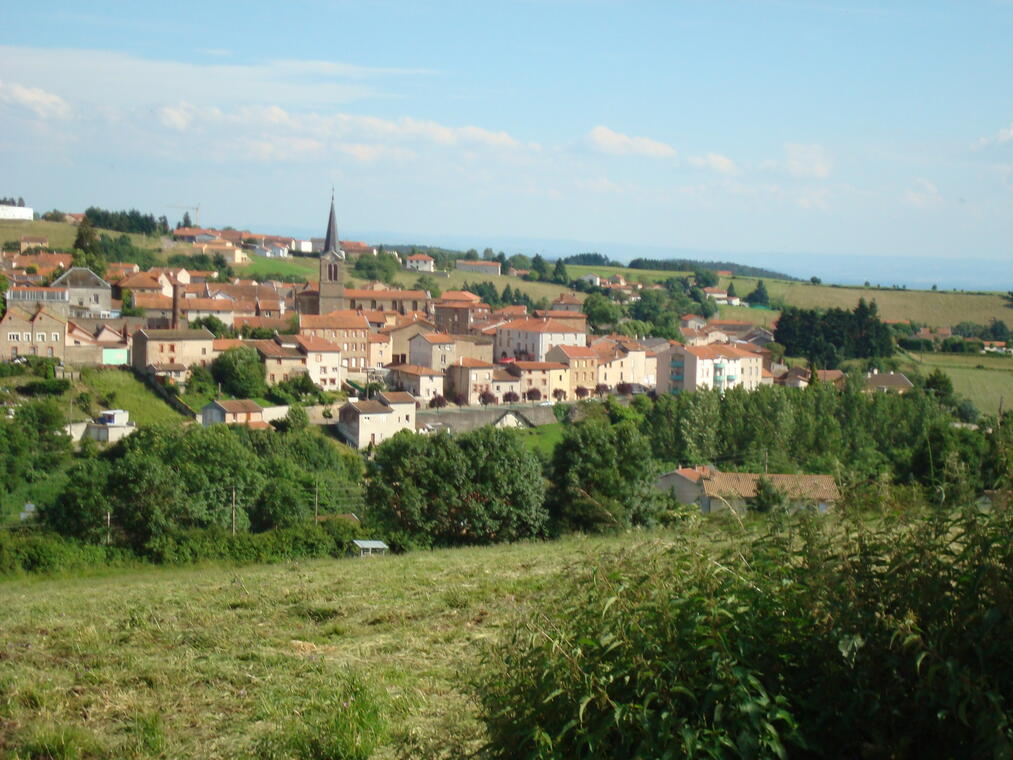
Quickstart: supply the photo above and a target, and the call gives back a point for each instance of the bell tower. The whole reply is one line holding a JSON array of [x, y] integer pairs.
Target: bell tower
[[332, 263]]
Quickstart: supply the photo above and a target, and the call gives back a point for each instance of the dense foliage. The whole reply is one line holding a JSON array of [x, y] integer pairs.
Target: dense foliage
[[828, 337], [383, 267], [819, 638], [127, 221], [162, 481], [475, 488], [590, 260], [692, 265], [32, 443]]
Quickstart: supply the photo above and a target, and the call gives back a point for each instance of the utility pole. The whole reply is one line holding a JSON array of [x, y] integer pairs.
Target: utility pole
[[316, 499], [109, 520], [233, 510]]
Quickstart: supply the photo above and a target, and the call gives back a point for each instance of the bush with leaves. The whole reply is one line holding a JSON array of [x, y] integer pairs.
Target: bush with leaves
[[816, 637], [477, 488]]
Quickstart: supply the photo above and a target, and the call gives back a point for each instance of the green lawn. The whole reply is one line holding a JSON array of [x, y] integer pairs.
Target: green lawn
[[261, 267], [206, 662], [544, 437]]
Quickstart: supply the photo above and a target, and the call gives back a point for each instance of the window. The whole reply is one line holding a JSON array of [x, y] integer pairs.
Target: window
[[204, 351], [40, 337], [56, 337], [49, 351], [13, 336]]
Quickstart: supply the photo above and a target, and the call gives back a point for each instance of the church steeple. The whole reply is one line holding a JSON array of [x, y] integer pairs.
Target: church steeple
[[331, 242]]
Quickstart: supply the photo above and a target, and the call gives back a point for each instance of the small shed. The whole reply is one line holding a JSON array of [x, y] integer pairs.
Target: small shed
[[370, 548]]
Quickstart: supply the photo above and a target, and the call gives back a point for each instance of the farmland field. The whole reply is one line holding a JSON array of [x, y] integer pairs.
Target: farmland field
[[985, 380], [208, 662]]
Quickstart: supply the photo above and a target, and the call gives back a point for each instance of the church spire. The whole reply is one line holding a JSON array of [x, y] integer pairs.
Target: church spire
[[331, 242]]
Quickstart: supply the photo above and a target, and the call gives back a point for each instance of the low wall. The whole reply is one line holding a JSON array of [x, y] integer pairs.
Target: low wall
[[464, 420]]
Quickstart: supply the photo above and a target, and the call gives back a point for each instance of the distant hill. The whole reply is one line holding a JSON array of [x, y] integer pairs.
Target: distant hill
[[690, 265]]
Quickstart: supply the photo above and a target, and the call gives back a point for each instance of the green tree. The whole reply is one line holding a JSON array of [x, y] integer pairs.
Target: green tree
[[426, 282], [240, 372], [87, 238], [80, 509], [600, 311], [602, 477], [559, 274], [759, 296], [767, 496]]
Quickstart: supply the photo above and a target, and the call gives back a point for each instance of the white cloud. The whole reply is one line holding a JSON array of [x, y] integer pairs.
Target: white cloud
[[816, 197], [807, 161], [605, 140], [715, 162], [43, 104], [1002, 136], [923, 194]]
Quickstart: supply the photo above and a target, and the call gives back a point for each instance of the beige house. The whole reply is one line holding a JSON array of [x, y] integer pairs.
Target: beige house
[[545, 377], [323, 360], [716, 491], [470, 378], [365, 422], [720, 366], [566, 302], [281, 362], [423, 383], [378, 351], [583, 364], [347, 328], [531, 339], [503, 383], [184, 348], [238, 412], [31, 334], [401, 333], [433, 350], [623, 360]]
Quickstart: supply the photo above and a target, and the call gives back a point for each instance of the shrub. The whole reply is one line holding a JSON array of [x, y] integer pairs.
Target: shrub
[[885, 639], [54, 387]]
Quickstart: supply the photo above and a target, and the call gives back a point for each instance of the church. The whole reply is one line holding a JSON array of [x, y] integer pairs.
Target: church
[[332, 295]]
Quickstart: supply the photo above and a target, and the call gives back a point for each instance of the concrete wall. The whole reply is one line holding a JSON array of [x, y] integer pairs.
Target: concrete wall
[[463, 420]]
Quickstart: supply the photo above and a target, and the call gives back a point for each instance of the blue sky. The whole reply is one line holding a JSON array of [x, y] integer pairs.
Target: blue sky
[[736, 126]]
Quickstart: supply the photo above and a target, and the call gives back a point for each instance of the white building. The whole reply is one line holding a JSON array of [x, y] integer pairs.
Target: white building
[[362, 423], [531, 339], [721, 366], [420, 262], [16, 214]]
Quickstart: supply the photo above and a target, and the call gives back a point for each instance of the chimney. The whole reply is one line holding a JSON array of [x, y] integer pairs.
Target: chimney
[[175, 306]]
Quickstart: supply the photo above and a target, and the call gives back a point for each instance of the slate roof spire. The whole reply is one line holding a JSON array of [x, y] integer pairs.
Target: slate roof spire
[[331, 243]]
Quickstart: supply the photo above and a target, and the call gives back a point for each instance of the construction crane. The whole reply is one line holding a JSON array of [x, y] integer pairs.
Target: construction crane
[[195, 209]]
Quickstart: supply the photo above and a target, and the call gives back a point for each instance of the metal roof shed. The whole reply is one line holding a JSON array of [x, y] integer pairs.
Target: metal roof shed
[[369, 548]]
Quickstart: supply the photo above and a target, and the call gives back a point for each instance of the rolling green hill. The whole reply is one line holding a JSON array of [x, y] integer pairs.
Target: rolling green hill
[[62, 234]]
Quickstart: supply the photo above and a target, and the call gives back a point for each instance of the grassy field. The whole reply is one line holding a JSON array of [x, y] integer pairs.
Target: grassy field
[[127, 392], [632, 275], [261, 267], [62, 234], [985, 380], [544, 437], [120, 388], [207, 662]]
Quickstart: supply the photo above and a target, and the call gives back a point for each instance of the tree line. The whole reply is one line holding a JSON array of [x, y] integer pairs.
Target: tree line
[[828, 337], [127, 221], [692, 265]]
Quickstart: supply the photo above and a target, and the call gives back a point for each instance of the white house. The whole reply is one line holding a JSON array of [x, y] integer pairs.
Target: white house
[[531, 339], [689, 368], [420, 262], [367, 422], [16, 213]]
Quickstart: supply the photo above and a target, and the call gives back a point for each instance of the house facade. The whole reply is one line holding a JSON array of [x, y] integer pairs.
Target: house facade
[[714, 491], [367, 422], [531, 339], [38, 333]]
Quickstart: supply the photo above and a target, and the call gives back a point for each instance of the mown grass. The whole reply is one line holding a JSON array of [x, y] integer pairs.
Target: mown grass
[[212, 662], [261, 267]]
